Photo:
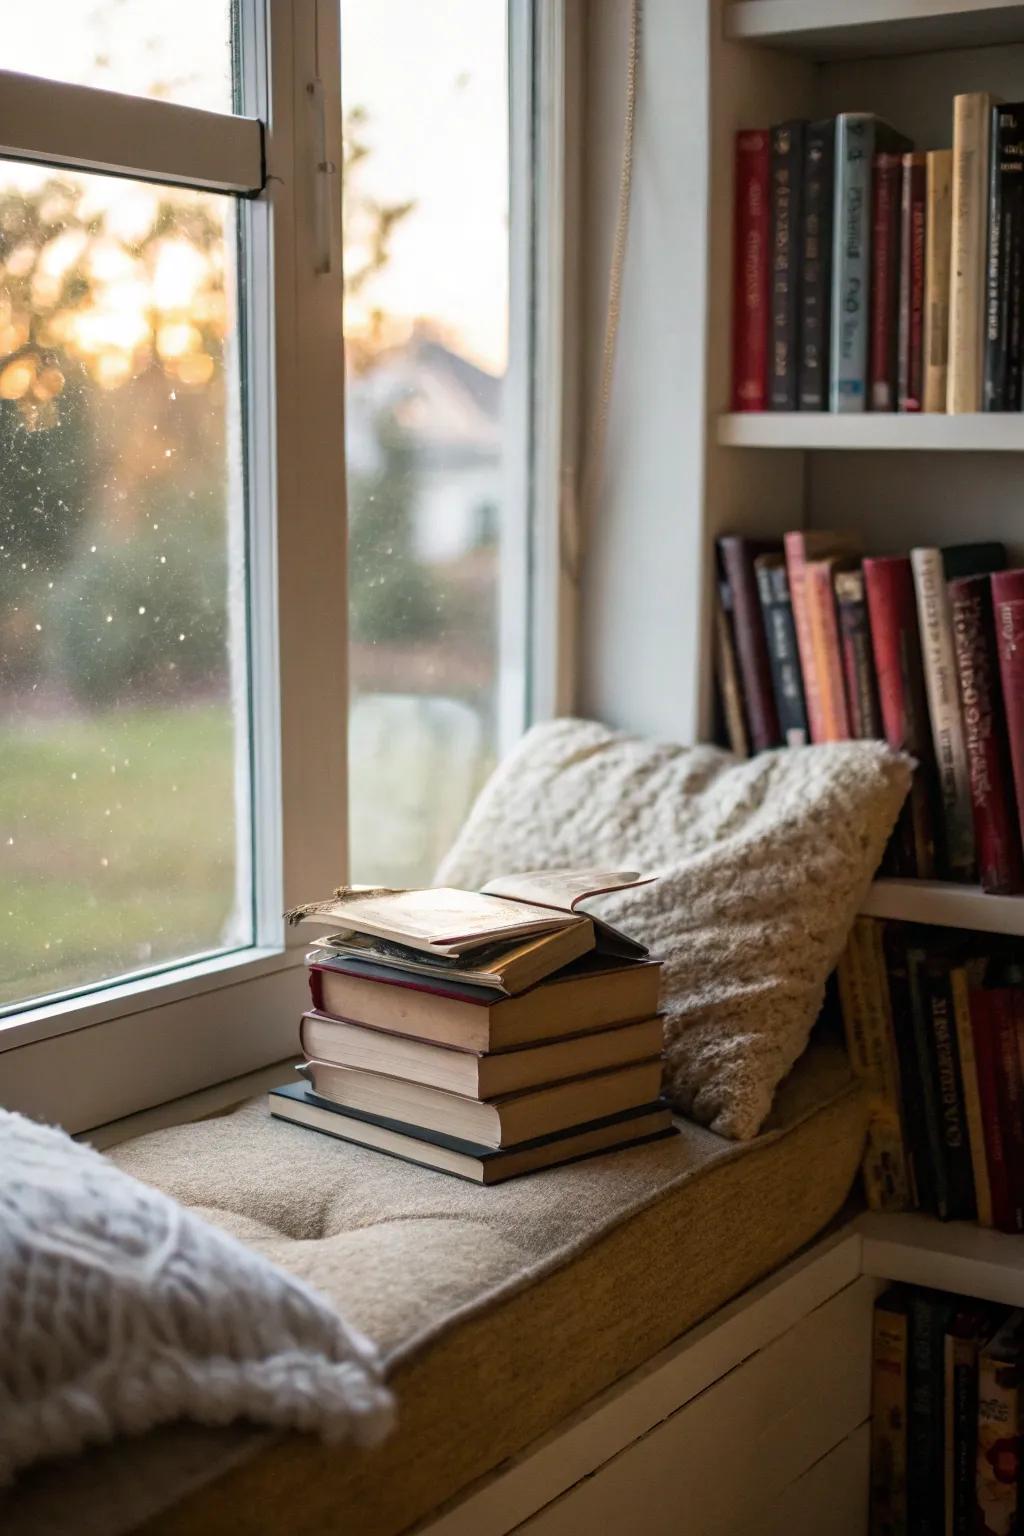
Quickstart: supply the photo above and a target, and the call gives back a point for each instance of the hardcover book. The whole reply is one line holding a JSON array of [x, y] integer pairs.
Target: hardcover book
[[931, 1313], [738, 555], [787, 253], [751, 271], [938, 224], [816, 287], [886, 174], [780, 634], [1008, 607], [819, 594], [890, 1369], [999, 1429], [972, 132], [913, 216], [1002, 376], [858, 660], [800, 547], [727, 672]]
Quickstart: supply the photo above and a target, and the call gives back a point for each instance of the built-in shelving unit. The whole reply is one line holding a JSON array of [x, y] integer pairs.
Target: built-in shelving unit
[[837, 29], [946, 905], [825, 430], [951, 1256]]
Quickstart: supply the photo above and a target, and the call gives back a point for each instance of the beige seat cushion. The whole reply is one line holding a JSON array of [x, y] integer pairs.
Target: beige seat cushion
[[499, 1311]]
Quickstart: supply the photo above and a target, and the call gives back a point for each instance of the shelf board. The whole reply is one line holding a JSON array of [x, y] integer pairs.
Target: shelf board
[[986, 432], [946, 905], [949, 1255], [826, 29]]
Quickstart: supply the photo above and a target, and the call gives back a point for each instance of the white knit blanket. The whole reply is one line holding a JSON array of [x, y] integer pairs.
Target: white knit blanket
[[121, 1310]]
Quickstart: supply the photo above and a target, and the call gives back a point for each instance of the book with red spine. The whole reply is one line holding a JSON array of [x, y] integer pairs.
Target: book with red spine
[[997, 833], [1003, 1005], [738, 556], [896, 643], [751, 270], [1008, 612], [987, 1062], [885, 279], [801, 547], [819, 579], [910, 347]]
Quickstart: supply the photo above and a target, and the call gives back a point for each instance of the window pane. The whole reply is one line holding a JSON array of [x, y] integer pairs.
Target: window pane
[[123, 738], [179, 51], [428, 440]]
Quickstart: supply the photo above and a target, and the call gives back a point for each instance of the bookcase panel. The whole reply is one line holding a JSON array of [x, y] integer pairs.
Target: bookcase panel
[[867, 28]]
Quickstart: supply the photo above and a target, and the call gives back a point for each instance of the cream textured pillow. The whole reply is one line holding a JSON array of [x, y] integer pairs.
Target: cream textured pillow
[[121, 1310], [762, 865]]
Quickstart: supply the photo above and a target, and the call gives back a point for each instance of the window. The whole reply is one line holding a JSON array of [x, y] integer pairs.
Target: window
[[434, 428], [173, 594]]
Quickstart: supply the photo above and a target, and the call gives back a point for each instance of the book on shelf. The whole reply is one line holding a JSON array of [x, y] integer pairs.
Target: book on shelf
[[478, 1074], [787, 174], [935, 1029], [737, 557], [1008, 613], [910, 337], [938, 224], [858, 660], [480, 1164], [780, 634], [800, 548], [826, 646], [751, 270], [935, 1398], [886, 276], [972, 136], [727, 673], [816, 264], [1002, 370]]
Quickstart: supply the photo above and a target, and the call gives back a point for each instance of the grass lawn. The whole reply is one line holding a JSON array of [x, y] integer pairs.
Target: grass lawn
[[117, 844]]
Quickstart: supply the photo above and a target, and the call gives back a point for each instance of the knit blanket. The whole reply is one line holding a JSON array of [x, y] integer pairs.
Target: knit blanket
[[121, 1310]]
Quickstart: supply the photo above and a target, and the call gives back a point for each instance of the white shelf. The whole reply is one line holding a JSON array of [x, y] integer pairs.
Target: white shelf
[[951, 1256], [946, 905], [832, 29], [986, 432]]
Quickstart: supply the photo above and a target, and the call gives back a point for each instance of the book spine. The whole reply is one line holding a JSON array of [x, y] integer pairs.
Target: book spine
[[1012, 239], [962, 1433], [851, 262], [971, 135], [911, 1096], [780, 634], [925, 1417], [927, 1080], [999, 1432], [728, 674], [816, 285], [751, 272], [952, 1114], [751, 648], [1008, 612], [960, 996], [895, 642], [910, 370], [796, 571], [890, 1348], [943, 694], [885, 279], [997, 836], [825, 645], [938, 224], [987, 1061], [997, 290], [1010, 1094], [787, 249], [858, 662]]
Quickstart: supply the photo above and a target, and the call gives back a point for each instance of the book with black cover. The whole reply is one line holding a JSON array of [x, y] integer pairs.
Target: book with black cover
[[480, 1165], [787, 191], [1002, 296], [816, 277], [931, 1313], [780, 632]]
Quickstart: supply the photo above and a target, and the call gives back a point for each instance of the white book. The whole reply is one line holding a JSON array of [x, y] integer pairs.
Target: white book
[[972, 134], [942, 686]]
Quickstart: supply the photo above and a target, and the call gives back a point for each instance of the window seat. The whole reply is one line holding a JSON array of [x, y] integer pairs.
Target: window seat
[[500, 1311]]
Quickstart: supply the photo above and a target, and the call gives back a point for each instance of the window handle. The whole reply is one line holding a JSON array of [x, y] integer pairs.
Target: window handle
[[324, 170]]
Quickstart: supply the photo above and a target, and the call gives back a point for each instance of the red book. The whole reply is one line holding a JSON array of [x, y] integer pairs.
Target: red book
[[896, 643], [738, 557], [910, 366], [751, 273], [1008, 607], [885, 278], [1001, 1003], [987, 1063], [993, 802]]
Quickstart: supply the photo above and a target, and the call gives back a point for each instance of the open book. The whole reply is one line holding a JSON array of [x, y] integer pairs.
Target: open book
[[443, 927]]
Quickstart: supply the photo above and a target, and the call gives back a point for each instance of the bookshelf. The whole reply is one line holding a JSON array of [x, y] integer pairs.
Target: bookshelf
[[951, 1256], [946, 905], [827, 29], [828, 432]]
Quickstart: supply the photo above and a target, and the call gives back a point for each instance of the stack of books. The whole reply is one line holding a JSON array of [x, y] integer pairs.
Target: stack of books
[[484, 1034], [946, 1414], [924, 650], [873, 276], [934, 1023]]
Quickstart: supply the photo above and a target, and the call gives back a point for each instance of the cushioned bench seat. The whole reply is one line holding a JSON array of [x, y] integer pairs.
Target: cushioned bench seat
[[500, 1311]]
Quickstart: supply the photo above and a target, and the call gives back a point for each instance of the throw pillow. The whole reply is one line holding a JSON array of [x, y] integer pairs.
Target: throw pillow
[[762, 866], [121, 1310]]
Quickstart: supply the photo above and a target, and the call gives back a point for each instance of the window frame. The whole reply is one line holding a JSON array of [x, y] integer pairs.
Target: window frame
[[100, 1055]]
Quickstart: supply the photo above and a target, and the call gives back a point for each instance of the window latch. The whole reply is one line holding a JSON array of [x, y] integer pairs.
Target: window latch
[[324, 170]]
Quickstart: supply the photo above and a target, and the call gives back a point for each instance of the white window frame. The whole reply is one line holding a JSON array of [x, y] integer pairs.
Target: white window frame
[[95, 1057]]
